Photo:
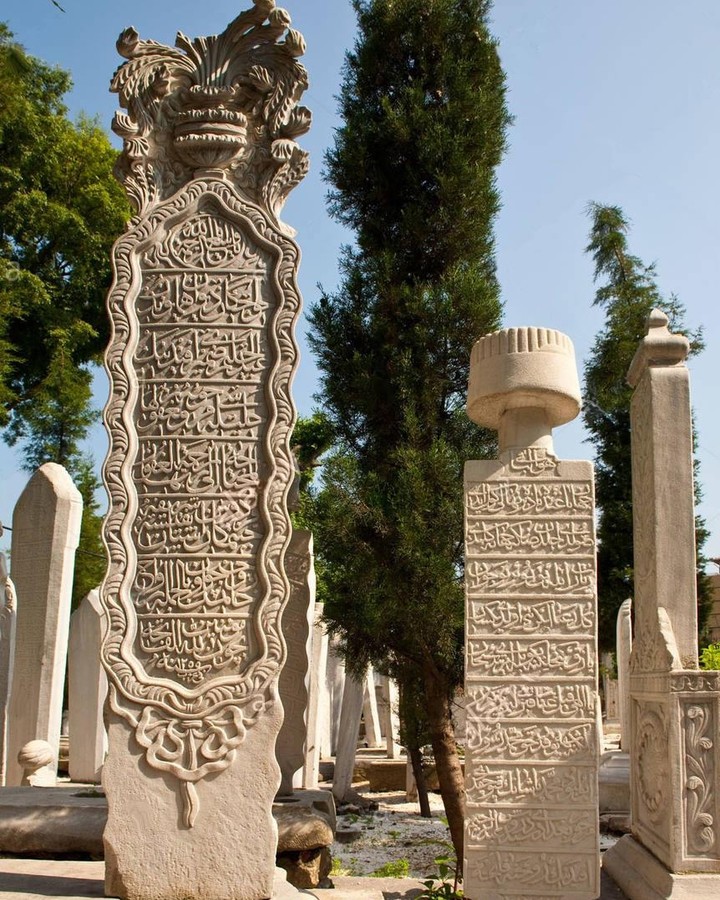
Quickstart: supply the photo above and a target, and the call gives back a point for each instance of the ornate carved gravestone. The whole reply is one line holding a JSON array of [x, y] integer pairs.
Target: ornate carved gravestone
[[202, 355], [674, 850], [530, 664]]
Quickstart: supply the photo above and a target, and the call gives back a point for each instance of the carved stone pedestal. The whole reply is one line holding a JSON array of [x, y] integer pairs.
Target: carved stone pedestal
[[643, 877]]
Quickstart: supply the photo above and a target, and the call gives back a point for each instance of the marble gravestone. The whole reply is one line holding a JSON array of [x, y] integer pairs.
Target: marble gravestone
[[674, 849], [8, 620], [297, 620], [201, 359], [623, 646], [87, 689], [318, 711], [46, 532], [532, 742]]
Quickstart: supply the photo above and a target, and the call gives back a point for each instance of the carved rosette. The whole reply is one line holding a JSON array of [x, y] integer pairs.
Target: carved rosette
[[203, 308]]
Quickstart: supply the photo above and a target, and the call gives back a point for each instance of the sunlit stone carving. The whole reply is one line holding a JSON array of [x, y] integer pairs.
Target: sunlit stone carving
[[531, 658], [203, 308], [674, 707]]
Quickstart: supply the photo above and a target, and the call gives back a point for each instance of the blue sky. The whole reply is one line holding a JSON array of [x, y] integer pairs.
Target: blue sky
[[615, 101]]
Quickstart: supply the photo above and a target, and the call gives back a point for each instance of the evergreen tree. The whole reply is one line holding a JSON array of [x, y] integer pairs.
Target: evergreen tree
[[628, 293], [412, 170], [60, 211]]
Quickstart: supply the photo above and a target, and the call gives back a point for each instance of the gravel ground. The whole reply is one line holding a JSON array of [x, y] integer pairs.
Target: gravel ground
[[395, 834]]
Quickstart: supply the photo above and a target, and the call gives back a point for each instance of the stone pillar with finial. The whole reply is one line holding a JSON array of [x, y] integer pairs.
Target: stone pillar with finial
[[532, 742], [674, 848]]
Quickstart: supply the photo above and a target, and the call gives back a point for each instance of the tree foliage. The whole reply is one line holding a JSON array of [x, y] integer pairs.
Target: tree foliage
[[412, 173], [60, 211], [628, 293]]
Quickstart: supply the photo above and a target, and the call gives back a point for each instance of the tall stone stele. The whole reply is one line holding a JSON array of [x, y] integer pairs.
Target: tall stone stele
[[532, 742], [45, 536], [674, 849], [202, 354]]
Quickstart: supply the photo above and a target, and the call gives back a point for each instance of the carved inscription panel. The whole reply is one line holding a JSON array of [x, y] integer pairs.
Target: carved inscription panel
[[532, 742], [203, 309], [202, 364]]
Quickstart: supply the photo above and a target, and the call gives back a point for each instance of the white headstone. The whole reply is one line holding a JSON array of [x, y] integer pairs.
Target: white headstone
[[87, 690], [623, 650], [675, 708], [318, 710], [532, 741], [294, 680], [46, 531], [203, 308], [371, 718], [8, 621], [336, 688], [352, 704], [391, 717]]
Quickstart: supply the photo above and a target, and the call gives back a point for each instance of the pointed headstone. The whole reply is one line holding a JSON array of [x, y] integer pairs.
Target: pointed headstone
[[46, 532], [87, 690]]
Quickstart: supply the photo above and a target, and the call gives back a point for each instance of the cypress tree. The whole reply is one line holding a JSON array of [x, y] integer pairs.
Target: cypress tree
[[412, 171]]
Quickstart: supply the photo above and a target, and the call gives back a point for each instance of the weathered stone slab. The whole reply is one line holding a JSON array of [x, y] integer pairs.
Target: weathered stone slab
[[8, 622], [318, 710], [87, 690], [46, 531], [531, 661], [347, 738], [203, 308], [623, 650], [336, 688], [371, 716], [294, 681]]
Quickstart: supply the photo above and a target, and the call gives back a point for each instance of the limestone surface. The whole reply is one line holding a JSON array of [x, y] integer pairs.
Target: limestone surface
[[674, 707], [623, 650], [203, 308], [532, 737], [294, 681], [318, 709], [46, 531], [87, 690], [8, 621], [352, 703]]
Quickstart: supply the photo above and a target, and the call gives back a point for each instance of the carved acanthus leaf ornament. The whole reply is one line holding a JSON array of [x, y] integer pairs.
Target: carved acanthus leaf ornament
[[227, 102]]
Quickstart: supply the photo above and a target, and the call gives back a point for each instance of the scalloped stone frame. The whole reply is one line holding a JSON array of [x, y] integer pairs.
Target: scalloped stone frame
[[202, 355]]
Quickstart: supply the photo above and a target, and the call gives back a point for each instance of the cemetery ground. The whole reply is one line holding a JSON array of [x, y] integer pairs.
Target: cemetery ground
[[383, 849]]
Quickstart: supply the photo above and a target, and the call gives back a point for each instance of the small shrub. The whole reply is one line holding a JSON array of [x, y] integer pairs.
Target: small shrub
[[710, 657], [399, 868], [445, 886], [340, 867]]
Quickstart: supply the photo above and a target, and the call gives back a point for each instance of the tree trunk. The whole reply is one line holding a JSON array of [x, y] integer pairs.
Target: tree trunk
[[447, 762], [416, 761]]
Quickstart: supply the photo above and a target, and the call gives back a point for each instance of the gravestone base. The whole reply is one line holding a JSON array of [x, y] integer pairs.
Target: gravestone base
[[151, 855], [643, 877]]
